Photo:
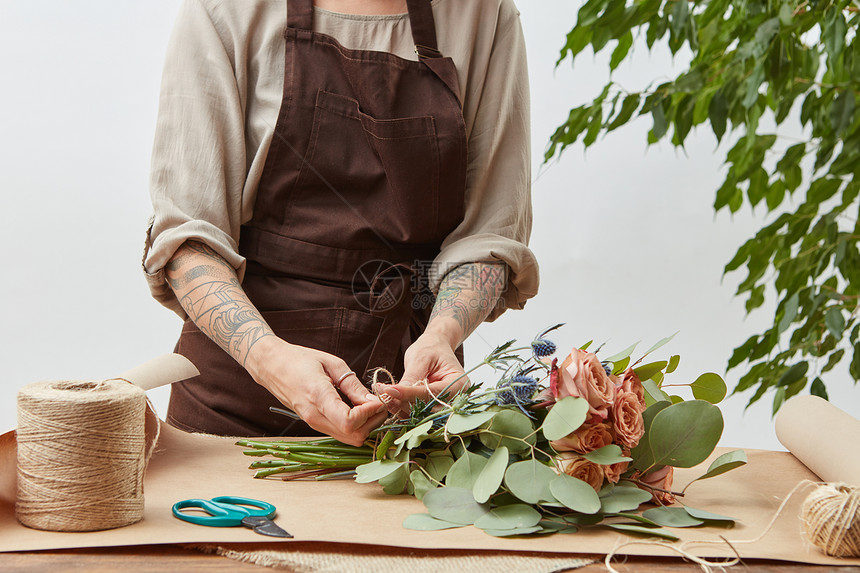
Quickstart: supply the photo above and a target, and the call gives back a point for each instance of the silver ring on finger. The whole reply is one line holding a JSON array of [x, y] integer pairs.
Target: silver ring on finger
[[343, 377]]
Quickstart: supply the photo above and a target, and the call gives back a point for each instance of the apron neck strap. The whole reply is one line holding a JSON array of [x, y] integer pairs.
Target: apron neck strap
[[300, 15], [423, 28]]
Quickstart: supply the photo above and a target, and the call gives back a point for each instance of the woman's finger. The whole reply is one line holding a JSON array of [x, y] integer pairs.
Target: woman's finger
[[357, 392], [344, 423]]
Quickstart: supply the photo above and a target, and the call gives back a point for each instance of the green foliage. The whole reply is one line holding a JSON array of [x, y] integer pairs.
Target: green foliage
[[671, 517], [511, 466], [683, 435], [780, 63], [567, 415]]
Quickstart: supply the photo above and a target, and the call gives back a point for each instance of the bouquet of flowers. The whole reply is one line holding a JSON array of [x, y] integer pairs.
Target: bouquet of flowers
[[552, 446]]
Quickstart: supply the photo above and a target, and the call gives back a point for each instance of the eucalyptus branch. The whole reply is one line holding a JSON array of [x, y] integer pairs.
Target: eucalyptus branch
[[642, 484]]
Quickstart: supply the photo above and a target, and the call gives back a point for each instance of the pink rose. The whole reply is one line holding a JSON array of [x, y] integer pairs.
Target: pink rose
[[627, 419], [581, 469], [585, 439], [630, 383], [661, 479], [582, 375], [613, 472]]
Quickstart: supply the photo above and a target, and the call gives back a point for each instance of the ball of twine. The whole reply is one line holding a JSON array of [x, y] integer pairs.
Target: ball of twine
[[81, 455], [831, 518]]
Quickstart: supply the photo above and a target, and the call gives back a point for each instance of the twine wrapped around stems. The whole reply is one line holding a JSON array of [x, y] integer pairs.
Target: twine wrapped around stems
[[81, 455]]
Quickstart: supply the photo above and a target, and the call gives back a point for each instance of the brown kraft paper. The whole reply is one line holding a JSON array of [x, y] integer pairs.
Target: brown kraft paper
[[319, 513]]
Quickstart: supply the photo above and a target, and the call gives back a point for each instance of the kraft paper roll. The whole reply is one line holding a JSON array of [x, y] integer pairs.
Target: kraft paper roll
[[823, 437], [81, 455]]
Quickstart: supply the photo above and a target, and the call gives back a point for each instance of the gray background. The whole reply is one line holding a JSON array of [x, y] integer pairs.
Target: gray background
[[629, 246]]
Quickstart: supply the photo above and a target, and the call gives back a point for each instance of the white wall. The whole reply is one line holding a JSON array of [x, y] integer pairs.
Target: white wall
[[629, 246]]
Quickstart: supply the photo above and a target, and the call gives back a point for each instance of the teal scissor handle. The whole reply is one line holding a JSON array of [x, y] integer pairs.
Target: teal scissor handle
[[223, 511]]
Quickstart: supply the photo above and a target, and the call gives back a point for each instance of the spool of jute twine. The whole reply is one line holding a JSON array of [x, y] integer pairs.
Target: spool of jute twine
[[81, 455], [831, 519]]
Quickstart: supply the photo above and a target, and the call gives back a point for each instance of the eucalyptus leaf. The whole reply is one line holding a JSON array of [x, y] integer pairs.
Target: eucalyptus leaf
[[438, 464], [671, 517], [426, 522], [374, 471], [509, 517], [660, 343], [575, 494], [709, 387], [460, 423], [623, 354], [395, 482], [642, 455], [460, 446], [512, 532], [653, 393], [565, 417], [415, 436], [490, 478], [529, 480], [511, 429], [674, 360], [642, 530], [621, 499], [578, 519], [454, 504], [619, 366], [684, 435], [465, 471], [707, 515], [421, 484], [607, 455], [556, 527], [635, 517], [646, 371], [724, 463]]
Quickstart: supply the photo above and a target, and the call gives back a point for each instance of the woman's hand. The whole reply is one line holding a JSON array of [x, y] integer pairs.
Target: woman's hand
[[431, 367], [467, 295], [303, 379]]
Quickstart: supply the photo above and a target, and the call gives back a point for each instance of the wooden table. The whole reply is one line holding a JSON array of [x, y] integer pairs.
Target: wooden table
[[160, 558]]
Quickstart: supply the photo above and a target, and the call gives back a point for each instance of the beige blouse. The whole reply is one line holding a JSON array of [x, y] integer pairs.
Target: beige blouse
[[220, 96]]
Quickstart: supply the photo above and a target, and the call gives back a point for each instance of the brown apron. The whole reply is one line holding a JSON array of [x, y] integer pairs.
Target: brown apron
[[364, 178]]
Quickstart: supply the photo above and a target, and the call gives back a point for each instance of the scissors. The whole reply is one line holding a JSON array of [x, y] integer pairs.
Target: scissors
[[231, 511]]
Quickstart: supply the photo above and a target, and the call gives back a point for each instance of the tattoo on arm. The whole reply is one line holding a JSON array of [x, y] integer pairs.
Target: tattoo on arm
[[208, 289], [469, 292]]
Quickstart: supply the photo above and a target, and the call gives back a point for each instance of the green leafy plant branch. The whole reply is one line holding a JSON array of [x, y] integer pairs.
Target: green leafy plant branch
[[789, 63]]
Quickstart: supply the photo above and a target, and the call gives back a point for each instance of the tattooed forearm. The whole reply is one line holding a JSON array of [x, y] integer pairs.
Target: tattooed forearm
[[469, 292], [208, 289]]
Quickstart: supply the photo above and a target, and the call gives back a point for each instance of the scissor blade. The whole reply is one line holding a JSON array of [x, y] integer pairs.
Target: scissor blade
[[265, 526]]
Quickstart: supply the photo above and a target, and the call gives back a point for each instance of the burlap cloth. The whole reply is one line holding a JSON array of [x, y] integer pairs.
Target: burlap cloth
[[331, 558]]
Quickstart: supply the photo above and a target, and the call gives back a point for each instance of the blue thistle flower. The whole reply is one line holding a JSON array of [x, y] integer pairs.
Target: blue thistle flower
[[506, 397], [543, 347], [607, 366], [519, 389], [524, 387]]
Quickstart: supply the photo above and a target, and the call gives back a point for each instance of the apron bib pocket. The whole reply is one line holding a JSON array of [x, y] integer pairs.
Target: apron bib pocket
[[385, 170]]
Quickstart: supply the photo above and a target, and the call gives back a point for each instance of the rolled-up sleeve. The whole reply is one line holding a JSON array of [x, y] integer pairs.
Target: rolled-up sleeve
[[198, 166], [498, 211]]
